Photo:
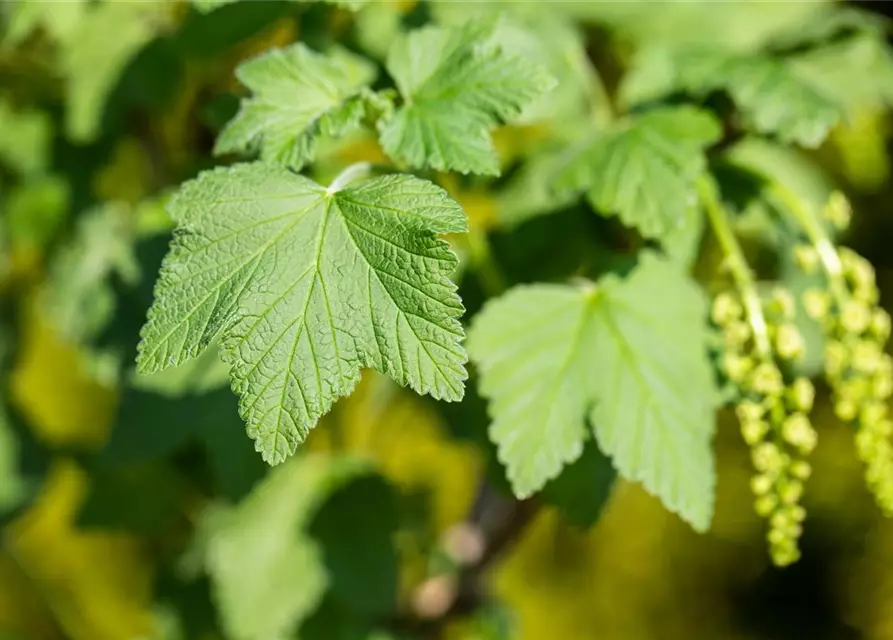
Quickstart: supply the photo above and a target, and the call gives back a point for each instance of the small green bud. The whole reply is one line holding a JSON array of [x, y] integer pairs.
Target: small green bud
[[806, 257], [866, 356], [789, 342], [749, 411], [817, 303], [766, 380], [736, 367], [761, 484], [776, 537], [873, 412], [765, 505], [801, 469], [836, 359], [791, 492], [798, 513], [726, 308], [880, 324], [781, 303], [882, 386], [846, 409], [767, 458], [797, 431], [838, 211], [855, 316], [801, 395], [754, 431], [736, 334]]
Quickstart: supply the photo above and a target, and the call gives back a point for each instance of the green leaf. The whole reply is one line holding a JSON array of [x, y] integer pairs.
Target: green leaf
[[25, 138], [771, 95], [299, 95], [93, 61], [553, 357], [78, 296], [457, 84], [305, 286], [59, 19], [267, 573], [35, 210], [643, 169]]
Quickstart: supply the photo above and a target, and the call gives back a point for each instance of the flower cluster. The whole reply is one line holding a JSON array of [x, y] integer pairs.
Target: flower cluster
[[759, 343], [857, 368]]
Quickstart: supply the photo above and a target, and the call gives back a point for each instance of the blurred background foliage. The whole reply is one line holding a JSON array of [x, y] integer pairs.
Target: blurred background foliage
[[137, 508]]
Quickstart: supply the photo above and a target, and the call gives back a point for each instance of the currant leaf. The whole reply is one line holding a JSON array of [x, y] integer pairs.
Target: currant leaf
[[299, 95], [304, 286], [457, 84], [643, 169], [555, 359]]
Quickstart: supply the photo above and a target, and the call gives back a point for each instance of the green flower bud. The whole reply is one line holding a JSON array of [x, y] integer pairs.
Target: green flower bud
[[846, 409], [791, 492], [761, 484], [767, 458], [801, 470], [736, 334], [726, 308], [765, 505], [776, 537], [789, 342], [753, 432], [798, 513], [801, 395], [873, 412], [882, 386], [736, 367], [838, 211], [855, 316], [797, 431], [866, 356], [806, 257], [749, 411], [781, 303], [817, 303], [880, 324], [766, 380], [836, 359]]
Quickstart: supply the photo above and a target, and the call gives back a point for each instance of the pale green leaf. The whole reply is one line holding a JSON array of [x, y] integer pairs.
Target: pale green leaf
[[299, 95], [59, 19], [267, 574], [556, 360], [34, 212], [643, 169], [304, 286], [773, 98], [78, 296], [457, 84], [25, 138], [107, 37]]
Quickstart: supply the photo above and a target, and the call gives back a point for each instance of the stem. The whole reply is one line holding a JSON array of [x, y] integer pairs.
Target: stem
[[356, 171], [816, 234], [736, 263]]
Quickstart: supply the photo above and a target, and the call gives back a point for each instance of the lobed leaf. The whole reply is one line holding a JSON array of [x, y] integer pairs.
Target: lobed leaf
[[299, 95], [457, 84], [304, 286], [644, 169], [555, 359]]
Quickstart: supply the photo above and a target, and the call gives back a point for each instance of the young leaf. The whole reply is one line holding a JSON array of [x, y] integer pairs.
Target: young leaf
[[305, 285], [552, 357], [769, 93], [25, 138], [644, 169], [457, 84], [93, 61], [267, 573], [299, 95], [78, 296]]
